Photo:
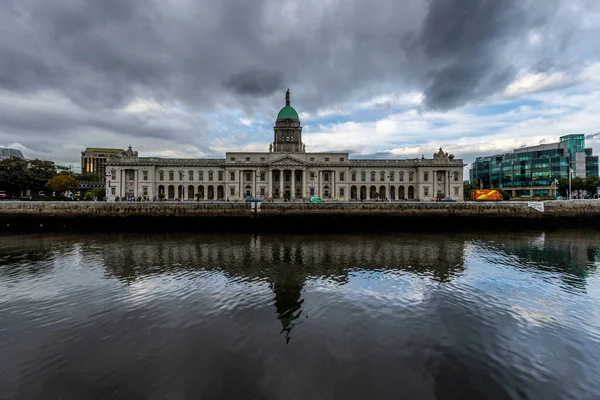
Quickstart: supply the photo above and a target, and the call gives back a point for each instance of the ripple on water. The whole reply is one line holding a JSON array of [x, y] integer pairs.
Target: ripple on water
[[347, 316]]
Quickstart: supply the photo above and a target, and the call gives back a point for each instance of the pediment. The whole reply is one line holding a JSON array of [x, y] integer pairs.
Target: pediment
[[287, 160]]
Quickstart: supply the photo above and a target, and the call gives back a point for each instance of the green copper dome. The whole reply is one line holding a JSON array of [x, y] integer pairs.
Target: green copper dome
[[288, 112]]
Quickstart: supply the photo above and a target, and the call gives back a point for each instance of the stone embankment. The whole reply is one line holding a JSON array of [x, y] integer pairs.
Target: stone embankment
[[297, 216]]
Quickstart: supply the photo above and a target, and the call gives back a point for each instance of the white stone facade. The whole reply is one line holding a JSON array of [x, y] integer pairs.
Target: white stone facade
[[285, 172], [269, 175]]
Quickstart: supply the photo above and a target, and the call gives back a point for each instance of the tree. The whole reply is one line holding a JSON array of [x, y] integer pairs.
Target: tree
[[62, 183], [13, 175], [38, 173], [467, 187]]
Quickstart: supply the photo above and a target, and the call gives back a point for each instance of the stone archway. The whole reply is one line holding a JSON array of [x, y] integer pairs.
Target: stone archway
[[372, 192], [392, 193], [190, 192], [220, 192], [326, 192], [382, 192], [211, 192], [353, 193], [411, 192], [180, 192], [287, 193], [363, 192], [161, 190], [171, 193], [401, 193], [201, 192]]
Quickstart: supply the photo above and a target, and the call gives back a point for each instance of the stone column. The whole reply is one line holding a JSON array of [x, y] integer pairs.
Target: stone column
[[270, 192], [319, 183], [293, 185], [304, 183], [333, 192], [280, 184]]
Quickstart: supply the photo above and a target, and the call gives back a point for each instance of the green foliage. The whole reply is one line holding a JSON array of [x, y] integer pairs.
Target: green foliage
[[97, 194], [441, 195], [18, 175], [62, 183], [197, 196], [467, 189], [87, 177]]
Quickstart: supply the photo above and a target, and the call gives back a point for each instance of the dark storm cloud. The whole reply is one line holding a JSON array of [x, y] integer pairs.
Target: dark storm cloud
[[103, 55], [254, 81], [464, 39]]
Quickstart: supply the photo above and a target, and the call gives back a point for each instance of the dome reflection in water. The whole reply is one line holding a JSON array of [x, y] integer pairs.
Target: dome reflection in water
[[494, 316]]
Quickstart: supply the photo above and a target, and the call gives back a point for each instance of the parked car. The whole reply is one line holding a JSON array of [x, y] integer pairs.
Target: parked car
[[3, 195], [448, 200], [316, 200], [252, 200]]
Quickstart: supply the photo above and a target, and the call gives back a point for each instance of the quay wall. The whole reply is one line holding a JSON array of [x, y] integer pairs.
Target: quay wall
[[315, 216]]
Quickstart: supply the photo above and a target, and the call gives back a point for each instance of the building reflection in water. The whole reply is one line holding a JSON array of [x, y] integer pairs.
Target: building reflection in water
[[286, 263]]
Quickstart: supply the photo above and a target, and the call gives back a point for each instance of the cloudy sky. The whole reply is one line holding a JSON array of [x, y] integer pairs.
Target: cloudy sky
[[391, 78]]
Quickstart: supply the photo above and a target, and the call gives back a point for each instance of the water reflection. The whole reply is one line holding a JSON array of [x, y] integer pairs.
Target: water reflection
[[300, 316]]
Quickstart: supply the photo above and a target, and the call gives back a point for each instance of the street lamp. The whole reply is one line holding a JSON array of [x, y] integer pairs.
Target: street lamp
[[107, 184], [570, 172]]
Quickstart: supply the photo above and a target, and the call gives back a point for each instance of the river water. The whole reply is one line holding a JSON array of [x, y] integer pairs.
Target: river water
[[240, 316]]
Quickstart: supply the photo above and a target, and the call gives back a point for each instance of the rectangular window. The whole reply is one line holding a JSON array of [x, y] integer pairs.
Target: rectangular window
[[382, 177], [232, 158], [341, 192], [363, 176], [113, 191], [247, 158], [161, 176], [145, 191], [353, 177], [232, 176], [401, 176], [262, 191], [439, 176], [180, 175], [171, 176], [341, 159], [392, 176], [312, 176], [325, 177], [263, 176], [341, 177], [201, 176], [232, 191], [190, 175], [410, 176], [312, 191], [425, 176], [372, 176], [312, 159], [248, 178], [455, 191], [220, 175], [262, 159], [145, 175], [326, 158], [456, 177], [210, 176], [426, 191]]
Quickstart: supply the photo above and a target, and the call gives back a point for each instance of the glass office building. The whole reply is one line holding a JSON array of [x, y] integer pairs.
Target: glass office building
[[535, 170]]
